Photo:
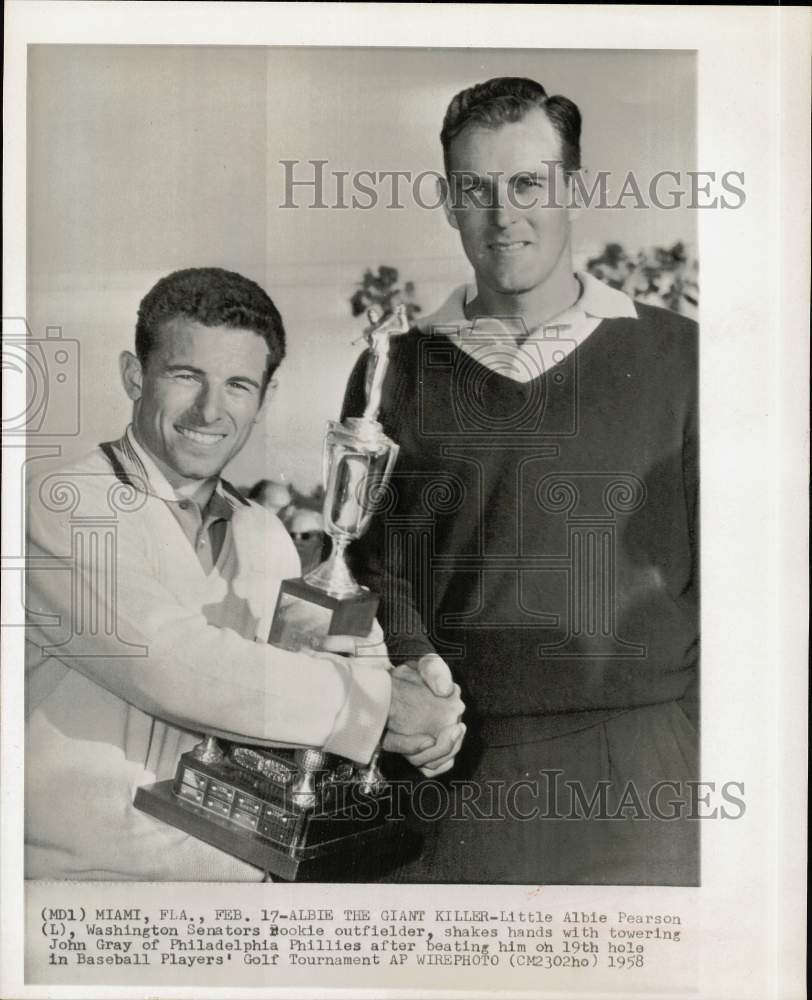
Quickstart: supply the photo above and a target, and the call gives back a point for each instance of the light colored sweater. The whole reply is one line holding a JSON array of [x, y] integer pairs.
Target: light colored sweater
[[134, 650]]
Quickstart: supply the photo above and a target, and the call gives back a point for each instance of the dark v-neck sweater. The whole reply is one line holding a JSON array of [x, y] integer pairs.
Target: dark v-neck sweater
[[542, 537]]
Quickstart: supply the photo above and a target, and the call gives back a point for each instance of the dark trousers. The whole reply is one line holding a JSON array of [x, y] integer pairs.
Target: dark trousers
[[607, 803]]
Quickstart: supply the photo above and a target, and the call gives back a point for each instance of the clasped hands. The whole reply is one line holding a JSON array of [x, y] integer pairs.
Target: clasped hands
[[424, 722], [425, 715]]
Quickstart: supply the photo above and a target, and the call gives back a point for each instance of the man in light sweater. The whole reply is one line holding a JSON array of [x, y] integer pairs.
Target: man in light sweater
[[151, 580]]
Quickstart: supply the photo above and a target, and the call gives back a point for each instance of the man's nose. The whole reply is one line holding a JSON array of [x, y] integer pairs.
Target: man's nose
[[208, 404], [503, 211]]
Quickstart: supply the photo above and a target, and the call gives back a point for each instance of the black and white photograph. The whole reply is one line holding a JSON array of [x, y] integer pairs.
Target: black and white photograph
[[363, 398]]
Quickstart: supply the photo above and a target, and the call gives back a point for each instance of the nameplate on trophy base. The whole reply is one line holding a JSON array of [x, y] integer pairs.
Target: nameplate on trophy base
[[304, 615], [250, 806]]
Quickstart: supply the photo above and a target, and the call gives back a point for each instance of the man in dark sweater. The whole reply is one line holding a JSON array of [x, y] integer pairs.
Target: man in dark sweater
[[540, 533]]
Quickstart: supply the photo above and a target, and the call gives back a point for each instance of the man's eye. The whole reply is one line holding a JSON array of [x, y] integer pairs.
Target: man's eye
[[240, 386], [185, 377]]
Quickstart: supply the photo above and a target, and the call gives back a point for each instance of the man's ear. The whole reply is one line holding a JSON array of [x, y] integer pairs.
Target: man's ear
[[444, 190], [270, 390], [132, 375], [574, 209]]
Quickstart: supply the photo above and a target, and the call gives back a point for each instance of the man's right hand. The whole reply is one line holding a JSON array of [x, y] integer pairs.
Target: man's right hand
[[415, 709], [425, 709], [424, 724]]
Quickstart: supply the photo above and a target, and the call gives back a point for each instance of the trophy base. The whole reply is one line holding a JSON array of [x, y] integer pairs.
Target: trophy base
[[345, 835], [304, 614], [366, 856]]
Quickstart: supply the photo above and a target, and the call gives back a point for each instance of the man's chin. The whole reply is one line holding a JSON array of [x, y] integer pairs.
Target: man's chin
[[193, 467], [514, 286], [514, 283]]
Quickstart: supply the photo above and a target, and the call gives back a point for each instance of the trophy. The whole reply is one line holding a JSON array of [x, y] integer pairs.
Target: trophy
[[305, 815], [357, 461]]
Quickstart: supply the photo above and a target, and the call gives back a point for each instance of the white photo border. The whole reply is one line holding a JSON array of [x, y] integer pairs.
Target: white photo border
[[753, 84]]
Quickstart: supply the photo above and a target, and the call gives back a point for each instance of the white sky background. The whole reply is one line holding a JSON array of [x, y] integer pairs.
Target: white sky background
[[143, 160]]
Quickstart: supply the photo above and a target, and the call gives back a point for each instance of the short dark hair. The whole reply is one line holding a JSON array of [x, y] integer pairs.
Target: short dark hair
[[508, 99], [213, 297]]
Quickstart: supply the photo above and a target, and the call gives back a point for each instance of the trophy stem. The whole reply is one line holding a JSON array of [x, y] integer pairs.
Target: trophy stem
[[208, 751], [370, 778], [309, 762], [333, 575]]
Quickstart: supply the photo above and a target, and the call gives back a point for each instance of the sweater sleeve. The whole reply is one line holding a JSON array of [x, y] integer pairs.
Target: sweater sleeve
[[376, 564], [124, 629]]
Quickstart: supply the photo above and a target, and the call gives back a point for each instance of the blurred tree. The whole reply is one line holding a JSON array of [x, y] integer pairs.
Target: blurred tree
[[382, 290], [658, 276]]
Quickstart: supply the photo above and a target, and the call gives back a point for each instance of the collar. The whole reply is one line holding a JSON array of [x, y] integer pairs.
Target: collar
[[602, 301], [597, 301], [138, 465]]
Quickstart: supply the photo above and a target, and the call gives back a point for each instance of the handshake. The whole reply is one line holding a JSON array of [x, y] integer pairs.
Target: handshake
[[424, 722], [424, 715]]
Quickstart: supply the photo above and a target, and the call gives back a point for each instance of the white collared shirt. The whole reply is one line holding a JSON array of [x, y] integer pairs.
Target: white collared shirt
[[504, 344], [205, 526]]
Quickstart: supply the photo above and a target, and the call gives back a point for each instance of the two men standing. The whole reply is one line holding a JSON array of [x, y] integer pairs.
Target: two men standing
[[541, 546]]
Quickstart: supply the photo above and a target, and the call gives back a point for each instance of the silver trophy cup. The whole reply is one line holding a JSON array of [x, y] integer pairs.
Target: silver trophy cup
[[357, 464]]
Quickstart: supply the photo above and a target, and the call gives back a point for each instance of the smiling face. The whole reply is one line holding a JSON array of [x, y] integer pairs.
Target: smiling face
[[513, 231], [196, 397]]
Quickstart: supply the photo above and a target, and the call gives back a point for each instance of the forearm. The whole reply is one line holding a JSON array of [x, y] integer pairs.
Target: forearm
[[200, 677], [404, 632]]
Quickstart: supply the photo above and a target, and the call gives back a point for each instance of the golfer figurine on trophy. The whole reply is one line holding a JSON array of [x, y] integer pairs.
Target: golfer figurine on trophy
[[295, 813]]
